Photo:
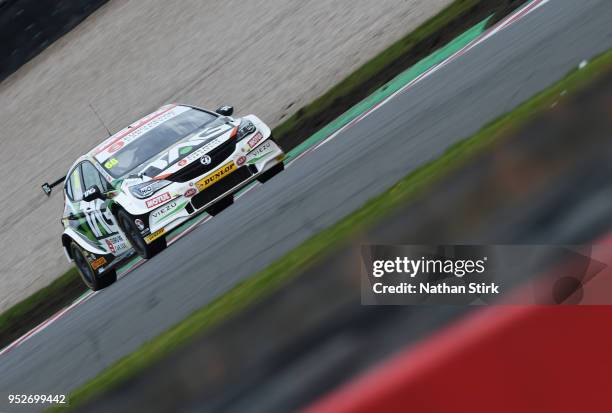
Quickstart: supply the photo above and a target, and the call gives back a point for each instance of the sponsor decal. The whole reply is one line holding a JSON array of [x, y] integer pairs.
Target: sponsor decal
[[150, 238], [167, 211], [240, 161], [182, 162], [111, 246], [115, 146], [116, 244], [255, 139], [160, 213], [139, 224], [135, 131], [216, 176], [158, 200], [261, 151], [206, 148], [98, 263], [89, 192], [190, 192]]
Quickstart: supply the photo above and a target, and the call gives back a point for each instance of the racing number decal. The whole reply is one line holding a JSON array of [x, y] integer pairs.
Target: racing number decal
[[100, 223], [97, 223], [111, 163]]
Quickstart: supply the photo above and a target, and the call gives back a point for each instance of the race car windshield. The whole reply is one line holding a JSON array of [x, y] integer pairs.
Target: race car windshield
[[156, 140]]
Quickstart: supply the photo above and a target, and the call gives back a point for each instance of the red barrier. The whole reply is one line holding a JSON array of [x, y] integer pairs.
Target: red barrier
[[504, 359]]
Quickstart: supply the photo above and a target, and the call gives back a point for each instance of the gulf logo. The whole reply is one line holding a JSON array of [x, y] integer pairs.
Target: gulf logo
[[190, 192]]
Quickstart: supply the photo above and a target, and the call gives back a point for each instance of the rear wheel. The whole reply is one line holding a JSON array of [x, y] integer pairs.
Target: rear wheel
[[131, 231], [220, 205], [88, 275], [270, 173]]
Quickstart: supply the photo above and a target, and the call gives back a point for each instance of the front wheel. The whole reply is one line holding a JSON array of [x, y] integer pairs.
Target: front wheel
[[131, 231], [88, 275]]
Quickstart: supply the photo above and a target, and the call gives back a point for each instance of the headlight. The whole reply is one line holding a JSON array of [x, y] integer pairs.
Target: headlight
[[245, 129], [146, 189]]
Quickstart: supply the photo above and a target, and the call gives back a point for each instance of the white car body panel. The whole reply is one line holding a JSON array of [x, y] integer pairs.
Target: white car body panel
[[172, 205]]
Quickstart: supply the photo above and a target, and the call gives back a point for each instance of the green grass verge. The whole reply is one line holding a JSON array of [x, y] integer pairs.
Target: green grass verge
[[35, 304], [26, 306], [374, 66], [268, 280]]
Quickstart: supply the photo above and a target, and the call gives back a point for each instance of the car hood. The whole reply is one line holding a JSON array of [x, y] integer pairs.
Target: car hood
[[186, 151]]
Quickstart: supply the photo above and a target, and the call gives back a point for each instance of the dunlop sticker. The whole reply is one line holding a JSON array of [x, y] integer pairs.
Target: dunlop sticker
[[216, 176]]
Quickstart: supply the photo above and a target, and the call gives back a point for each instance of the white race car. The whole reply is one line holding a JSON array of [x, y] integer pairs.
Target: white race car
[[125, 195]]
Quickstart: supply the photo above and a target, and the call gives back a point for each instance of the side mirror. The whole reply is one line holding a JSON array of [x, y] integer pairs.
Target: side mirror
[[46, 189], [92, 194], [225, 110]]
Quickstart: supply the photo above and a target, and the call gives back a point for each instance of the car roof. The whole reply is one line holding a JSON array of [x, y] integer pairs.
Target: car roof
[[90, 156]]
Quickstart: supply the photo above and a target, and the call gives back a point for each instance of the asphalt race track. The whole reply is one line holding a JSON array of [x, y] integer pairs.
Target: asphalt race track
[[313, 193]]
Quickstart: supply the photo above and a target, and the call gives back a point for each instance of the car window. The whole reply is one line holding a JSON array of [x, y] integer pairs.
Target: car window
[[153, 142], [75, 184], [92, 177], [68, 189]]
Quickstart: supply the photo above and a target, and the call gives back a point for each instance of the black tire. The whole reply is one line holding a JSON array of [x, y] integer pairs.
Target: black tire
[[270, 173], [131, 231], [220, 205], [88, 275]]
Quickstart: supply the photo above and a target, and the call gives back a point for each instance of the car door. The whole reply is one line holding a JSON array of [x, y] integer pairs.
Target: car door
[[97, 213], [75, 214]]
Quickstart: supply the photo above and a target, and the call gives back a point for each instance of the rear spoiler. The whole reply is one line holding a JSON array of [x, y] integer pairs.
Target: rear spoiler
[[47, 187]]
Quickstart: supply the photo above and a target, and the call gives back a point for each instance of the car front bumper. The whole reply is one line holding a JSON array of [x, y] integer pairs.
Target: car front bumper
[[196, 195]]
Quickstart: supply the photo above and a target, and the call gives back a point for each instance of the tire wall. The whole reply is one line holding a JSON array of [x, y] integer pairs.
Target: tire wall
[[28, 26]]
